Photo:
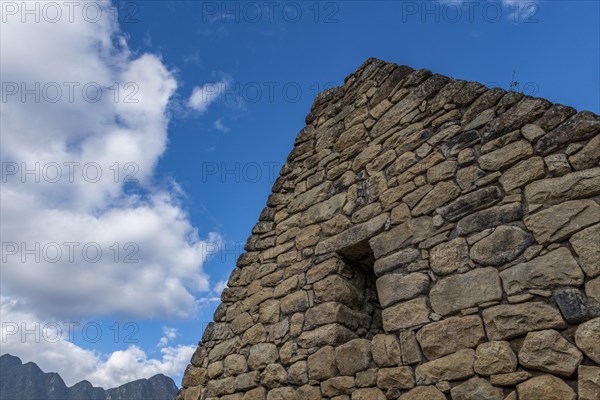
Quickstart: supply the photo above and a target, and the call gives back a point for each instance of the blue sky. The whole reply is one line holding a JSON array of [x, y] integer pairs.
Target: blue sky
[[232, 83]]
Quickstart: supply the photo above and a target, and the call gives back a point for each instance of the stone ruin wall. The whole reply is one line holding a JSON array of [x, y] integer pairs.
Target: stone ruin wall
[[428, 238]]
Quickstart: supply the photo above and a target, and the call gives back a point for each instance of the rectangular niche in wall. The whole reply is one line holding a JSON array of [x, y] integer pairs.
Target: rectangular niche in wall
[[359, 260]]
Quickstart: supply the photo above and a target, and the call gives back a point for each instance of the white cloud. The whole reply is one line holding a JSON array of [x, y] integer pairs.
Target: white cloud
[[220, 126], [122, 134], [169, 336], [203, 96], [55, 353]]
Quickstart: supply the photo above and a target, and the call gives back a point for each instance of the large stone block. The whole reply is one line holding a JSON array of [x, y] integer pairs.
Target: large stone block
[[386, 350], [461, 291], [353, 356], [328, 335], [495, 357], [572, 186], [588, 382], [502, 246], [505, 156], [585, 244], [558, 223], [405, 315], [490, 218], [321, 365], [548, 351], [423, 393], [557, 268], [411, 232], [470, 202], [393, 288], [507, 321], [455, 367], [398, 378], [545, 387], [450, 335], [476, 388], [586, 338], [449, 257], [338, 289]]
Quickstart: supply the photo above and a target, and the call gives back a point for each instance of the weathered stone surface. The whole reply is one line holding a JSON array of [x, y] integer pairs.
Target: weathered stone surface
[[333, 312], [557, 164], [449, 257], [407, 104], [194, 376], [523, 173], [220, 387], [395, 260], [261, 355], [441, 194], [412, 231], [490, 218], [576, 185], [332, 335], [509, 379], [321, 365], [405, 315], [528, 109], [298, 373], [580, 126], [368, 394], [503, 245], [235, 364], [442, 171], [505, 156], [454, 367], [571, 304], [586, 338], [558, 223], [393, 288], [353, 356], [545, 387], [398, 377], [470, 202], [495, 357], [592, 290], [411, 352], [585, 244], [338, 289], [338, 385], [423, 393], [273, 376], [353, 235], [458, 292], [284, 393], [476, 389], [507, 321], [450, 335], [386, 350], [557, 268], [307, 392], [548, 351], [588, 382], [588, 157]]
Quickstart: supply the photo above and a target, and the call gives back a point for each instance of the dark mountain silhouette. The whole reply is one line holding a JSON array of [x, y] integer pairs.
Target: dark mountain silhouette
[[20, 381]]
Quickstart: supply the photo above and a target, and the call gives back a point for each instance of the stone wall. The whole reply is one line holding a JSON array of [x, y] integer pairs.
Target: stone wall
[[428, 238]]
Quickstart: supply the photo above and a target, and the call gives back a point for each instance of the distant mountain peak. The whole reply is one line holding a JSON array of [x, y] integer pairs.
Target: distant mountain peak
[[27, 381]]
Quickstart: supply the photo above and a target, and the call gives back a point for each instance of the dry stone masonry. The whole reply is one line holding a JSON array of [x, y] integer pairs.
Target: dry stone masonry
[[428, 238]]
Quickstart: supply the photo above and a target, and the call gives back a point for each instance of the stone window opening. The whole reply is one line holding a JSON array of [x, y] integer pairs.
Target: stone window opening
[[360, 260]]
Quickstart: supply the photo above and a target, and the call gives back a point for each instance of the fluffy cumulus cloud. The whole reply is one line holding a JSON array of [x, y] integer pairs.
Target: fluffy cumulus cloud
[[86, 230], [52, 351]]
